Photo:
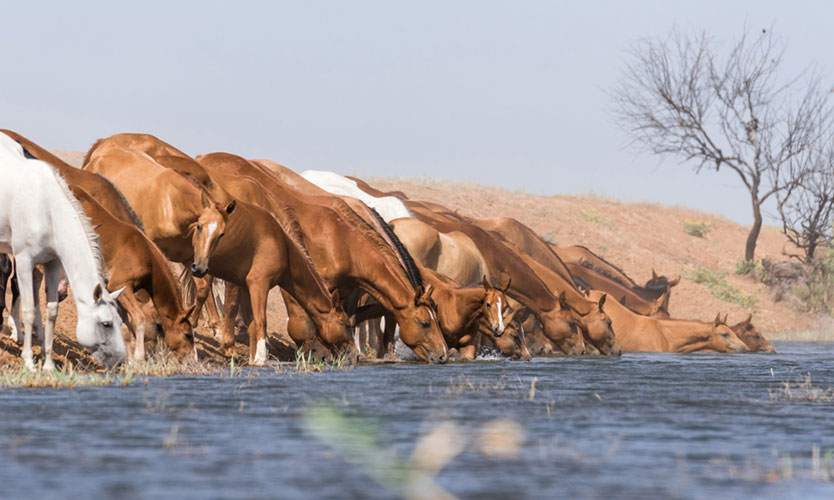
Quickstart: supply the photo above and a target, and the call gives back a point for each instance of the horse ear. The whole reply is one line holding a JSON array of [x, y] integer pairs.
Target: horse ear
[[507, 286], [654, 275], [487, 284], [563, 301], [231, 207], [675, 281], [97, 293], [724, 321], [717, 319], [417, 294], [204, 199], [602, 301], [429, 290], [748, 320], [335, 299], [115, 295]]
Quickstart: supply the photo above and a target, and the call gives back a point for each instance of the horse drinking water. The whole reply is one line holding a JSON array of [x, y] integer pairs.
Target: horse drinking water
[[42, 223]]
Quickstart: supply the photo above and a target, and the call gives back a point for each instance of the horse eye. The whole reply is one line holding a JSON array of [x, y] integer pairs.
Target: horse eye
[[726, 335], [489, 306], [221, 235], [425, 324], [107, 324], [199, 227]]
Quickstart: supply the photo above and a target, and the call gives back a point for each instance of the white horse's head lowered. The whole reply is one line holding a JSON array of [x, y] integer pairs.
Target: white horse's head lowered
[[100, 326]]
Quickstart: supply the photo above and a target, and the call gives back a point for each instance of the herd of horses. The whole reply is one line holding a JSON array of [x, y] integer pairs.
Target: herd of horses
[[358, 269]]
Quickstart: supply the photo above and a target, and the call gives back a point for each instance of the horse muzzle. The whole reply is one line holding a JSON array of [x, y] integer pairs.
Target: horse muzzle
[[198, 271]]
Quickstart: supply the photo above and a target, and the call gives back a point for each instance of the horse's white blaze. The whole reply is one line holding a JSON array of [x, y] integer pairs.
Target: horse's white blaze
[[211, 228], [500, 313]]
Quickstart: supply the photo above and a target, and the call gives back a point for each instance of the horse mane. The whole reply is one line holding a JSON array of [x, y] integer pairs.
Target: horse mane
[[90, 151], [411, 268], [344, 210], [133, 216], [605, 272], [89, 232]]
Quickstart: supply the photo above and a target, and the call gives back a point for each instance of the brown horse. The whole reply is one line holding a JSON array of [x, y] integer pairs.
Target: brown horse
[[347, 251], [308, 291], [642, 333], [179, 216], [134, 262], [580, 255], [751, 336], [590, 279], [527, 287]]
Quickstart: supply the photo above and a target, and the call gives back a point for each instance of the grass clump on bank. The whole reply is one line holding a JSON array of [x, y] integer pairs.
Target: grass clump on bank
[[716, 283], [697, 228]]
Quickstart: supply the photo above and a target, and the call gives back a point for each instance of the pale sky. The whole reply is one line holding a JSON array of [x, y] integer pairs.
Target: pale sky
[[504, 93]]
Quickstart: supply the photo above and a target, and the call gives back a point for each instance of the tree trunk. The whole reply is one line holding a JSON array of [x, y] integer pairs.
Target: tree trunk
[[750, 249]]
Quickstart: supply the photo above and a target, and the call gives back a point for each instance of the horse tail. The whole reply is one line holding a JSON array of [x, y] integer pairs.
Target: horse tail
[[89, 155], [411, 269]]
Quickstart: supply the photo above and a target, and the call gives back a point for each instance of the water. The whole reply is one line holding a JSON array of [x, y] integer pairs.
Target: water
[[641, 426]]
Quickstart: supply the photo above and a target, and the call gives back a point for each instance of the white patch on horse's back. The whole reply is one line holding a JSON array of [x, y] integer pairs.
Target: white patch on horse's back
[[388, 207]]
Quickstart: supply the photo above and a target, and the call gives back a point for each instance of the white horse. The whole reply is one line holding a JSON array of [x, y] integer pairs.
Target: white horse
[[389, 207], [41, 222]]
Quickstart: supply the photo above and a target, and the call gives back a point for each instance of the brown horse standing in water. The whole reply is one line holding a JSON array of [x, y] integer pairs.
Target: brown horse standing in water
[[348, 253], [642, 333], [134, 262], [751, 336], [590, 279]]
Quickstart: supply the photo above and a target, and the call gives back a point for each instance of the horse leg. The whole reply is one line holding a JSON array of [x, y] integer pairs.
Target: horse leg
[[37, 279], [203, 290], [231, 305], [24, 269], [215, 322], [258, 290], [15, 328], [53, 277], [137, 321]]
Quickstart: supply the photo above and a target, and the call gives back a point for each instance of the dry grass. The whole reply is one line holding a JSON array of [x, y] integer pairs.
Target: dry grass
[[803, 390]]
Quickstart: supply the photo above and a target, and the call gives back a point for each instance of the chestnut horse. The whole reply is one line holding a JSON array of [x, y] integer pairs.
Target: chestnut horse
[[642, 333], [180, 217], [308, 291], [651, 291], [591, 279], [348, 253], [751, 336], [135, 263], [254, 253]]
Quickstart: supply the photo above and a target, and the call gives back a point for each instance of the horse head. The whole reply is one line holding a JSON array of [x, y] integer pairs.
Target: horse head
[[207, 231], [559, 325], [179, 334], [99, 326], [598, 328], [419, 329], [496, 308], [722, 338], [751, 336]]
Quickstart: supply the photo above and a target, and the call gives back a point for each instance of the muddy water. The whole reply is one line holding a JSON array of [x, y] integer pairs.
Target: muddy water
[[642, 426]]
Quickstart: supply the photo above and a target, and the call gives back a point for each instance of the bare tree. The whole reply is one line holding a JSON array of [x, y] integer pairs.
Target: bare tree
[[806, 206], [679, 98]]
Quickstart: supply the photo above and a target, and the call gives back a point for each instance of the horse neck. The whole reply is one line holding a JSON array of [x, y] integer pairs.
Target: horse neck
[[307, 285], [166, 295], [686, 336], [75, 249], [458, 307]]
